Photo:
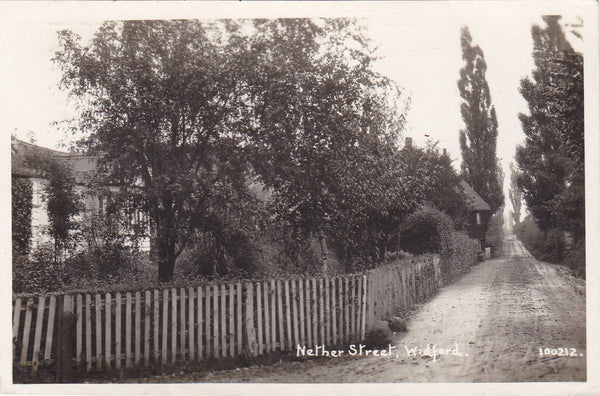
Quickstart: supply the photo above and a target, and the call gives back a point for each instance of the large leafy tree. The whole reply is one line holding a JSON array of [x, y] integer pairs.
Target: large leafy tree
[[325, 124], [478, 139], [429, 178], [186, 113], [162, 107], [552, 159]]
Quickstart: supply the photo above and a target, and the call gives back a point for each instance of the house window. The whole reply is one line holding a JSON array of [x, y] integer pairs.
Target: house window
[[37, 192], [478, 218]]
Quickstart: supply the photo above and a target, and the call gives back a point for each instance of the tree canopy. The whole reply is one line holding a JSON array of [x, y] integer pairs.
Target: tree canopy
[[551, 161], [186, 112]]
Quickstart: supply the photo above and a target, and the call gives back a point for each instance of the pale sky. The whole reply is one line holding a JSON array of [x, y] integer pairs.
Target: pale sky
[[421, 53]]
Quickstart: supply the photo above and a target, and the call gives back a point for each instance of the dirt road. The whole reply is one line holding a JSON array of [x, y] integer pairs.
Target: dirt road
[[493, 325]]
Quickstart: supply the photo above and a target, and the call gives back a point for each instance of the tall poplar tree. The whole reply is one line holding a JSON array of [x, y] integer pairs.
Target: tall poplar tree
[[478, 139], [515, 195], [552, 159]]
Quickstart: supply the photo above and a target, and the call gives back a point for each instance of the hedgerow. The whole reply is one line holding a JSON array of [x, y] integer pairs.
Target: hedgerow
[[430, 230]]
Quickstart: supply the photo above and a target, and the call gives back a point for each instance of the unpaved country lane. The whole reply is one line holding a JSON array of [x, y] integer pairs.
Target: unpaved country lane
[[493, 321]]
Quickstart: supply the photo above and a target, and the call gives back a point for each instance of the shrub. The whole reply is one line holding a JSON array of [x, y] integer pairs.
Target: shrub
[[531, 236], [108, 265], [39, 274], [575, 258], [219, 254], [427, 230], [430, 230], [549, 247], [552, 246]]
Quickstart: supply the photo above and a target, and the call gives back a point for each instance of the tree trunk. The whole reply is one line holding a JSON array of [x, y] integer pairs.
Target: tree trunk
[[166, 257], [324, 251], [348, 260]]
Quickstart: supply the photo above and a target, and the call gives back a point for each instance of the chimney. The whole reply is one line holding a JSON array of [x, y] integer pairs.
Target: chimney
[[444, 152], [408, 142]]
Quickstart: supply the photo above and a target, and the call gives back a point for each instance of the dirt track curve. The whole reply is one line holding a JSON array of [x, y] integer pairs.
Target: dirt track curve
[[492, 322]]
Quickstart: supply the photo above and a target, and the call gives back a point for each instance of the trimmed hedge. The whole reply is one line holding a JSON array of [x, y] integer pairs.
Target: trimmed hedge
[[430, 230]]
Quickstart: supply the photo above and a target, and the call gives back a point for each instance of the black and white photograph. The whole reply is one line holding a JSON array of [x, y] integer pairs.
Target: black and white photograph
[[382, 194]]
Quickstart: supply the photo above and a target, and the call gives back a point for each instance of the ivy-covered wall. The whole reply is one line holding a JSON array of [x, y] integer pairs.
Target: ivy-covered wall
[[22, 194]]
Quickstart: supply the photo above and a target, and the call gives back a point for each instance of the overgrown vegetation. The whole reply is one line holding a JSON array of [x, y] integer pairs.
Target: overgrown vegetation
[[38, 273], [552, 246], [430, 230], [22, 198]]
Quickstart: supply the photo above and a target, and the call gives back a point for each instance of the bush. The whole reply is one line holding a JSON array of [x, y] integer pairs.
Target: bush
[[552, 247], [531, 236], [548, 247], [39, 274], [93, 268], [575, 258], [431, 231], [428, 230], [108, 265], [227, 253]]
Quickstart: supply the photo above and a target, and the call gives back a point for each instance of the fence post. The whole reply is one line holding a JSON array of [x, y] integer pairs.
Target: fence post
[[363, 307], [64, 350], [438, 271], [250, 347], [370, 300]]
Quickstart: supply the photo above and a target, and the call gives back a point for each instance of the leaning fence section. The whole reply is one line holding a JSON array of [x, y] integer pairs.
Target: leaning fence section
[[397, 287], [113, 331]]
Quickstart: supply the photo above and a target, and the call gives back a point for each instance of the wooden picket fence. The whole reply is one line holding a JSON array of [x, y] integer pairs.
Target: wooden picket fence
[[397, 288], [113, 331]]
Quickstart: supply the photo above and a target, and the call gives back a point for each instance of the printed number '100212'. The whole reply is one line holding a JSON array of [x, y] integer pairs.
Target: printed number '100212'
[[559, 352]]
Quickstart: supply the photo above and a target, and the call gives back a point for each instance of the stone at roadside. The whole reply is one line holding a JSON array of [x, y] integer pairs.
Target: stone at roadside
[[397, 324], [379, 336]]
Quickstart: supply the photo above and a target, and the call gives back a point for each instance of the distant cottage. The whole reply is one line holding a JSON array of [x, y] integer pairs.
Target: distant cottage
[[480, 213]]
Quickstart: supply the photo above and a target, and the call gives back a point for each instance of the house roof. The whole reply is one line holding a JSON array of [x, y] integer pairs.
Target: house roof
[[474, 200], [83, 166]]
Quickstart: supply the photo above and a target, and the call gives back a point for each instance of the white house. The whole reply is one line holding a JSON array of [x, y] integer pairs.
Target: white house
[[83, 168]]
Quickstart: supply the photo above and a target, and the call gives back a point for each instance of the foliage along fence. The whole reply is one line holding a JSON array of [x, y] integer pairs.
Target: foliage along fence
[[106, 331]]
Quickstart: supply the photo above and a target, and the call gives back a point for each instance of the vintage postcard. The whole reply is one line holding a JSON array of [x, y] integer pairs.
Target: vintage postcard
[[307, 197]]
